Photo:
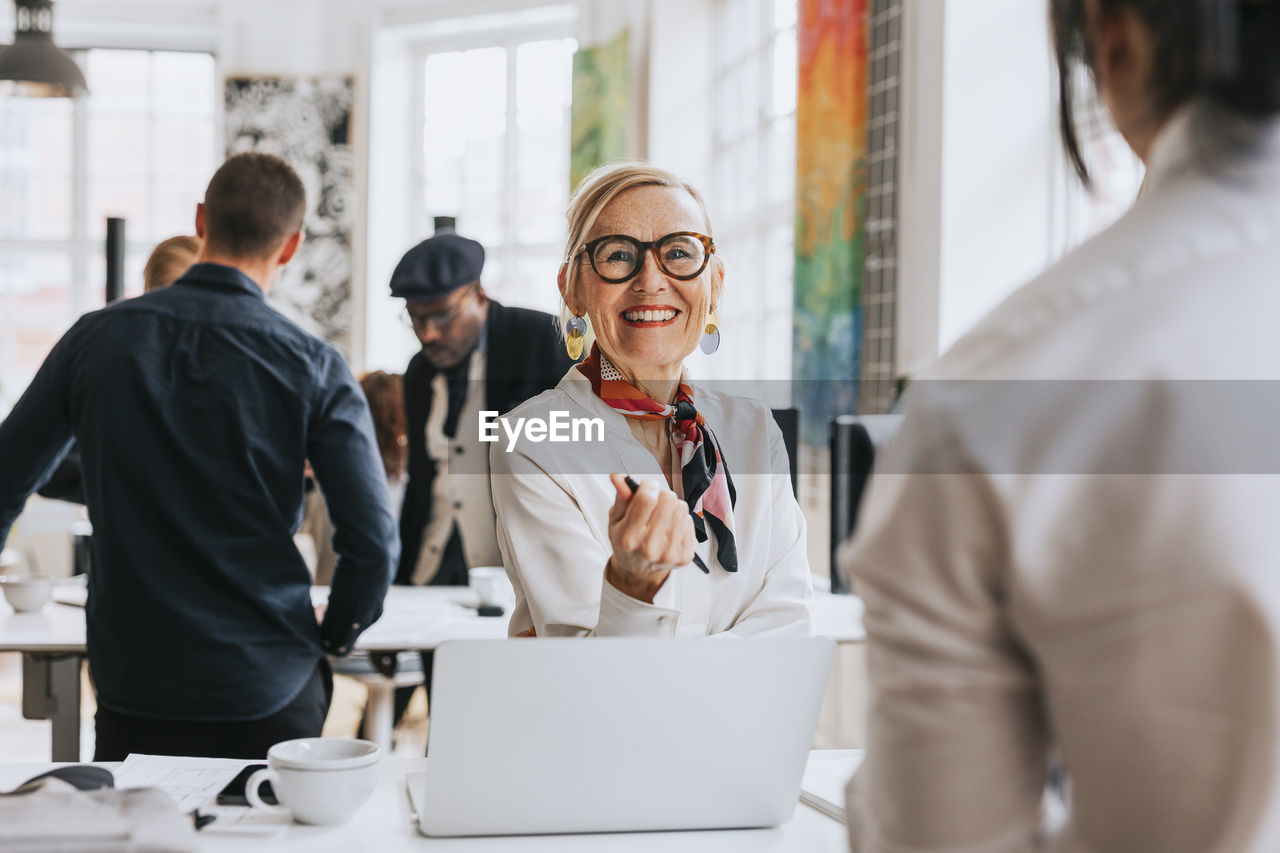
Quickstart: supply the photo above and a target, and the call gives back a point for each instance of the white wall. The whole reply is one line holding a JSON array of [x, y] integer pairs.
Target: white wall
[[980, 164]]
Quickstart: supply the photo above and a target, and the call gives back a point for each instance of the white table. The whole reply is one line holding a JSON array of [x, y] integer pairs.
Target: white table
[[414, 618], [52, 643], [385, 824]]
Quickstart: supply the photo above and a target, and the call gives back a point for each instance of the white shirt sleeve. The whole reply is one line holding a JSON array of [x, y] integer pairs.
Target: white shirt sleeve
[[624, 616], [957, 752], [553, 560]]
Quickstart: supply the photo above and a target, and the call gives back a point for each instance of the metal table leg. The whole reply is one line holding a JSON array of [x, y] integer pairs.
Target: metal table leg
[[51, 691]]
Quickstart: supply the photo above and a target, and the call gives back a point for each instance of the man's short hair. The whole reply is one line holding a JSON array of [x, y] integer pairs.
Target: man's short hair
[[253, 203]]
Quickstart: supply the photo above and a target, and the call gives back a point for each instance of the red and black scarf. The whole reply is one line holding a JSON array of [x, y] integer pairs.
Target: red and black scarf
[[708, 488]]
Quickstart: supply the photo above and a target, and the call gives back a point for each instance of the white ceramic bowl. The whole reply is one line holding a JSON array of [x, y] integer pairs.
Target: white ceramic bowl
[[27, 593], [491, 585]]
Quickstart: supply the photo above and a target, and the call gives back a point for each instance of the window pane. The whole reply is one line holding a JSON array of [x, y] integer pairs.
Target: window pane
[[150, 156], [535, 281], [119, 144], [35, 309], [780, 179], [150, 140], [464, 139], [184, 147], [120, 80], [174, 212], [780, 267], [35, 168], [184, 84], [34, 206], [543, 78], [784, 14], [753, 162], [135, 258], [128, 199], [784, 73], [544, 71], [507, 182]]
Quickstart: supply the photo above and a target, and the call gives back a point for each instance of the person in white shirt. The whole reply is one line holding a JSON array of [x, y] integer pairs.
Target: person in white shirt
[[711, 539], [1074, 561]]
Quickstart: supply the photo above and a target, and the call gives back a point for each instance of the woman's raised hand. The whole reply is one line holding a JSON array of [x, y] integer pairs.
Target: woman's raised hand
[[651, 534]]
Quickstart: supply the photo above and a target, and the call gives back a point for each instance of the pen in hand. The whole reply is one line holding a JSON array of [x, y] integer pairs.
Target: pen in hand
[[634, 486]]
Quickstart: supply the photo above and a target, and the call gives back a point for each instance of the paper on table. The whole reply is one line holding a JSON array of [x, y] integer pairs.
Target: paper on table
[[826, 774], [243, 820], [191, 782]]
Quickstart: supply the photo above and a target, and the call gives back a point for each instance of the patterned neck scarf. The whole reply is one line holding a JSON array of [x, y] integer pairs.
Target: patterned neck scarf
[[708, 488]]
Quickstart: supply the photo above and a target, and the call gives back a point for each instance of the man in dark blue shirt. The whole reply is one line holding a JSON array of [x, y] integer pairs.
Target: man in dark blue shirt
[[195, 409]]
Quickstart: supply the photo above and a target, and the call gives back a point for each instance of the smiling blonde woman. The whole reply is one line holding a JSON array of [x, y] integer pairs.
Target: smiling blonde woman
[[648, 532]]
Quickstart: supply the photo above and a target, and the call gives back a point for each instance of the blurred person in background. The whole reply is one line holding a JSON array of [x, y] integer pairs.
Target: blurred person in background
[[1084, 573], [385, 393], [477, 355], [169, 260]]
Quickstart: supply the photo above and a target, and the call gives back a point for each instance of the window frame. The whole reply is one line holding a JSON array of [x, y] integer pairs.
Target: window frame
[[765, 219], [509, 38], [80, 245]]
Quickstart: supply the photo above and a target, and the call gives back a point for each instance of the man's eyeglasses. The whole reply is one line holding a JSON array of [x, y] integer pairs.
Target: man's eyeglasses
[[438, 320], [682, 255]]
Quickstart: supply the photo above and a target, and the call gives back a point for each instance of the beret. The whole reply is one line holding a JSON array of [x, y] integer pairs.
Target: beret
[[437, 266]]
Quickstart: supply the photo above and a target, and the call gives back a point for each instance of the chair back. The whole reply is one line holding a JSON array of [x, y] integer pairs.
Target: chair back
[[854, 439]]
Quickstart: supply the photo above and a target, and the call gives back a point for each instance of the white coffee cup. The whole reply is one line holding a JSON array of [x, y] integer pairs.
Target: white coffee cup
[[321, 780], [27, 593], [491, 585]]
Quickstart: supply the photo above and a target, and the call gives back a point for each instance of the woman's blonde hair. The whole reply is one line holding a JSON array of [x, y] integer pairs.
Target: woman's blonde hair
[[593, 195], [169, 260]]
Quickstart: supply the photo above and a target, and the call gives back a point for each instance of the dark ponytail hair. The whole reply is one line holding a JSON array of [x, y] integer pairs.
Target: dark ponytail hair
[[1225, 54]]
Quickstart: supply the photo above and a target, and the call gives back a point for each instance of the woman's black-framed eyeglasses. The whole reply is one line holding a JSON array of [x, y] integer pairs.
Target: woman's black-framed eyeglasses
[[682, 255]]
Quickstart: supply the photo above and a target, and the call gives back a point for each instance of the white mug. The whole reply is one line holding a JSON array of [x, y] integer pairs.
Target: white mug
[[320, 780], [491, 585]]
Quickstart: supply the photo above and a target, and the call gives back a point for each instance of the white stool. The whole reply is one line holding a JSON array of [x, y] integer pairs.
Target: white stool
[[379, 711]]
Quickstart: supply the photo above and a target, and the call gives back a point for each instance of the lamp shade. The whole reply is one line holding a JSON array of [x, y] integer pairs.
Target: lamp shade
[[33, 65]]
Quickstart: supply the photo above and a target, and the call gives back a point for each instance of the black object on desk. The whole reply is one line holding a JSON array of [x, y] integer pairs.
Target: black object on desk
[[233, 794], [83, 777]]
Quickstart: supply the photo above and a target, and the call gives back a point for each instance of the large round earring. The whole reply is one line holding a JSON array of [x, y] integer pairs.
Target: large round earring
[[711, 334], [575, 332]]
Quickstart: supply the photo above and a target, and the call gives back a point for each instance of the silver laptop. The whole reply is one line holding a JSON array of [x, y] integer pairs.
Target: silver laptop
[[616, 735]]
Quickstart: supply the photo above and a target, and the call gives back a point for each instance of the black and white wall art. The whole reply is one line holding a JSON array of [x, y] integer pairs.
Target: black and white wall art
[[307, 121]]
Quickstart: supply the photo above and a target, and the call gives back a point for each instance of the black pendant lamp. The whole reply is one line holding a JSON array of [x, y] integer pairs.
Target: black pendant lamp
[[33, 66]]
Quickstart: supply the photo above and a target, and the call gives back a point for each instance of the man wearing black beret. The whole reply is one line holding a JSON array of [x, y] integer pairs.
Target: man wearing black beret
[[477, 355]]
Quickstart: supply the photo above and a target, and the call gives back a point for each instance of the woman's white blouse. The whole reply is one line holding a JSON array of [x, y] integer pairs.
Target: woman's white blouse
[[553, 499]]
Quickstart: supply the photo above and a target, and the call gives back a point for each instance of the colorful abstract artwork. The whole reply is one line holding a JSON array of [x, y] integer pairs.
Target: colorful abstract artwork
[[831, 205], [601, 106], [307, 121]]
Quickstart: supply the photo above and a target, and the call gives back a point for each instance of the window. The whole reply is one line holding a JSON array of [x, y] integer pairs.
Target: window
[[142, 146], [495, 150], [752, 193]]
